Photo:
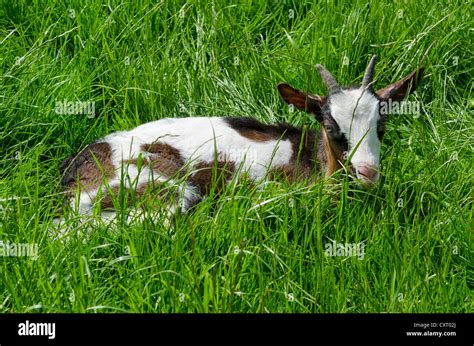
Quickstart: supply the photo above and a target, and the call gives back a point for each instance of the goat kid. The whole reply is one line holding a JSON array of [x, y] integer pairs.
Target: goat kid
[[191, 151]]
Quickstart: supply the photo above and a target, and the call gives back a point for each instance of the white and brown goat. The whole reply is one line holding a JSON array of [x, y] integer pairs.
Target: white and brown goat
[[198, 148]]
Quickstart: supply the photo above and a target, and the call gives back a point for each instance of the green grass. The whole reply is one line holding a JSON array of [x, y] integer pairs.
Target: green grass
[[251, 249]]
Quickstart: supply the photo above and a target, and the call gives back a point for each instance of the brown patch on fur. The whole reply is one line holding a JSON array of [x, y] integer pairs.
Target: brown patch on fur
[[90, 166], [164, 159], [205, 173], [257, 131], [106, 201], [163, 150], [167, 167], [160, 165], [303, 160], [331, 154], [144, 162], [256, 136]]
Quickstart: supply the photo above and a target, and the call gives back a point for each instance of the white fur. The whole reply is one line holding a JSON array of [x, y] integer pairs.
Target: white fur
[[356, 113], [198, 139]]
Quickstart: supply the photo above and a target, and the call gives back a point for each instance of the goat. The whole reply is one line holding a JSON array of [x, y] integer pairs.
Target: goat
[[198, 148]]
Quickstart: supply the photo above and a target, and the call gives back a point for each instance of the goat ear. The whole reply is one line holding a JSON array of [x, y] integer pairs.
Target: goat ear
[[301, 100], [398, 90]]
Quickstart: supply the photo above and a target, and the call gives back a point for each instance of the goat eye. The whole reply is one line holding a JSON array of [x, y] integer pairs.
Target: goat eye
[[331, 131]]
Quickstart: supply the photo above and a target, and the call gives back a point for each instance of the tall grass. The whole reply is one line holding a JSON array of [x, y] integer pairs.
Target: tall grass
[[253, 248]]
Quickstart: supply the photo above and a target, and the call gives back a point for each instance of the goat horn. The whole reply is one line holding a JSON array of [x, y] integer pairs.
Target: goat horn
[[369, 73], [329, 79]]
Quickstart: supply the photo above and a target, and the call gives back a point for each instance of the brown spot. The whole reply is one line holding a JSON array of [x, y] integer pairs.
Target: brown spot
[[304, 159], [160, 165], [206, 173], [89, 167], [106, 202], [167, 167], [256, 136], [302, 162], [165, 159], [163, 150], [331, 153], [257, 131], [143, 161]]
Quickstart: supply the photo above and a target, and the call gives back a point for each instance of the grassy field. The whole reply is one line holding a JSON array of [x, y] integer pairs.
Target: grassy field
[[253, 248]]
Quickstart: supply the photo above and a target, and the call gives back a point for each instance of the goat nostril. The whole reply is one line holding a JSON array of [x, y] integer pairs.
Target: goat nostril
[[368, 172]]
